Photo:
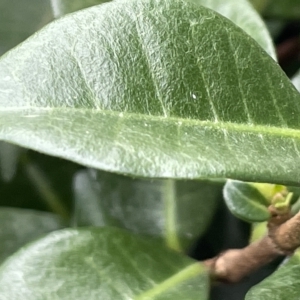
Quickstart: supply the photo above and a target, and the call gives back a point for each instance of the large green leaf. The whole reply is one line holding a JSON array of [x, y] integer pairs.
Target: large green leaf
[[18, 21], [244, 15], [282, 285], [238, 11], [20, 226], [178, 211], [156, 88], [103, 263], [62, 7]]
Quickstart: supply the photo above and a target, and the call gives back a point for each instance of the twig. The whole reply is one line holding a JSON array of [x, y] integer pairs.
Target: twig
[[283, 239]]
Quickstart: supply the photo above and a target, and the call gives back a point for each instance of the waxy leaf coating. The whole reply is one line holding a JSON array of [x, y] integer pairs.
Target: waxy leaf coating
[[156, 88]]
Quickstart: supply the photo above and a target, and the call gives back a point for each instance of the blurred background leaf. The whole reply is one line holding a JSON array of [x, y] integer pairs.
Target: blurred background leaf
[[260, 5], [62, 7], [20, 19], [20, 226], [9, 157], [296, 80], [179, 211], [42, 182], [287, 9]]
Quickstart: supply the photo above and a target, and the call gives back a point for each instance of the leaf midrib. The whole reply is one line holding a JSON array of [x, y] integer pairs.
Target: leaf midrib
[[185, 274], [254, 203], [230, 126]]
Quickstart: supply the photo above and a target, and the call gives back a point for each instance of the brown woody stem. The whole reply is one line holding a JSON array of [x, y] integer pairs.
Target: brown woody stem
[[283, 239], [287, 236]]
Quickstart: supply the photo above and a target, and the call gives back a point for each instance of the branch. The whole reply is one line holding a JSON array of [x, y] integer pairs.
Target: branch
[[287, 236], [283, 239]]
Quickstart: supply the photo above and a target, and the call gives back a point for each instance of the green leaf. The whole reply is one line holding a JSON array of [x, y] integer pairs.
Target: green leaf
[[283, 284], [296, 80], [287, 9], [62, 7], [9, 158], [268, 191], [126, 87], [20, 226], [260, 5], [103, 263], [178, 211], [43, 183], [245, 201], [275, 27], [238, 11], [43, 186], [244, 15], [20, 19], [51, 177]]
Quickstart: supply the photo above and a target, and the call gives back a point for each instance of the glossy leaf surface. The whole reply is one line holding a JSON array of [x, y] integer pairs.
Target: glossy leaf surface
[[283, 284], [246, 202], [178, 211], [20, 226], [244, 15], [103, 263], [152, 88]]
